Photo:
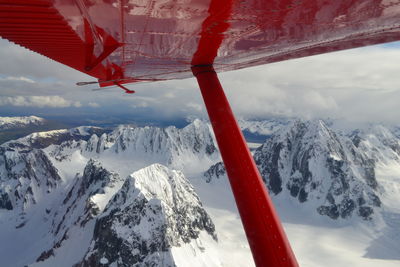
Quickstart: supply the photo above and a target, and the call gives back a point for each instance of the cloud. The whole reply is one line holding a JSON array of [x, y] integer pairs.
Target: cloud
[[38, 101], [169, 95], [356, 85], [93, 105], [76, 104], [195, 106], [20, 79], [140, 104]]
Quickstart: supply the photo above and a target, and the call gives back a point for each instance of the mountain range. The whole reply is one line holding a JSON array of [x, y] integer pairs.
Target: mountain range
[[12, 128], [20, 122], [149, 196]]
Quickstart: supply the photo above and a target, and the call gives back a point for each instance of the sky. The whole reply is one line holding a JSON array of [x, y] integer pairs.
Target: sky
[[358, 85]]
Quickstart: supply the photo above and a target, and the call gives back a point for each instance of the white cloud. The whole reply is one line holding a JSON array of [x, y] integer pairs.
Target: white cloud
[[38, 101], [140, 104], [358, 85], [18, 79], [93, 105], [194, 106], [169, 95], [76, 104]]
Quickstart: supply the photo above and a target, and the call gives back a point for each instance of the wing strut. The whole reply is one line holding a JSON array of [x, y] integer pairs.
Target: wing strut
[[263, 228]]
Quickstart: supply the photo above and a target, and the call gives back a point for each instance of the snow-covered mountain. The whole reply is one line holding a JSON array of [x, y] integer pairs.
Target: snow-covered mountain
[[263, 127], [86, 187], [174, 147], [313, 164], [148, 196], [25, 178], [20, 122], [331, 173], [152, 221], [321, 179], [257, 131]]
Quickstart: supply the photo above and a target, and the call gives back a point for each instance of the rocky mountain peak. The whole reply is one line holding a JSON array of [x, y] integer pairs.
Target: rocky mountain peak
[[159, 200], [309, 161], [315, 164], [378, 141], [95, 174], [24, 178]]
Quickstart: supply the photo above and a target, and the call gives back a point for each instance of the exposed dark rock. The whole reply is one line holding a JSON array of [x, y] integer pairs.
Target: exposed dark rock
[[274, 180], [5, 202], [365, 212], [94, 173], [215, 171], [45, 255], [331, 211]]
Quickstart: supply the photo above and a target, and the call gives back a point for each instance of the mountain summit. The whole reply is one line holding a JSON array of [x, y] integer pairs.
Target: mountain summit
[[312, 163]]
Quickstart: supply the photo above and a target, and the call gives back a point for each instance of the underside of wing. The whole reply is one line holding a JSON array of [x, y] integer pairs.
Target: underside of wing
[[150, 40]]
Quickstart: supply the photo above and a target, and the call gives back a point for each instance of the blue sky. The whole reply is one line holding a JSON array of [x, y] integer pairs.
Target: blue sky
[[358, 85]]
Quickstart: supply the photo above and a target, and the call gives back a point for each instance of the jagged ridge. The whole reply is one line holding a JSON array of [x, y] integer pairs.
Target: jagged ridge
[[310, 162], [83, 192]]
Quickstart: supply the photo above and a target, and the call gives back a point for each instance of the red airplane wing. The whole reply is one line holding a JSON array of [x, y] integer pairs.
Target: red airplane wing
[[130, 40]]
